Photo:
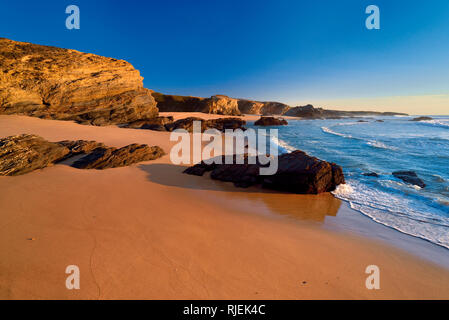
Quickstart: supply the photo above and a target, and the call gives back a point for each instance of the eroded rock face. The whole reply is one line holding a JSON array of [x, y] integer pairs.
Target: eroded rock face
[[218, 104], [25, 153], [173, 103], [222, 105], [64, 84], [250, 107], [297, 173], [410, 177], [270, 121], [274, 108], [104, 158]]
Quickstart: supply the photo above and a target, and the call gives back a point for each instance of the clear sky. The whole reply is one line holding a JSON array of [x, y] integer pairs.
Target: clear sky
[[296, 52]]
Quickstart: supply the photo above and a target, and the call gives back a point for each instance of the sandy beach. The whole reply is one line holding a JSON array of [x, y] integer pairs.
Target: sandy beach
[[150, 232]]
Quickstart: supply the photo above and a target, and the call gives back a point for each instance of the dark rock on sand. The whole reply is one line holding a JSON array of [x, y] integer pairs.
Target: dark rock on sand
[[270, 121], [422, 119], [297, 173], [220, 124], [104, 158], [410, 177], [24, 153]]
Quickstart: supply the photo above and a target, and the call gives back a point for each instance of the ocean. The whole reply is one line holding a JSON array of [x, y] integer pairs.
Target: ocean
[[397, 144]]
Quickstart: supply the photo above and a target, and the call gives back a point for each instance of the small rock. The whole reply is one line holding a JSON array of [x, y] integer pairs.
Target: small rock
[[410, 177], [422, 119], [371, 174]]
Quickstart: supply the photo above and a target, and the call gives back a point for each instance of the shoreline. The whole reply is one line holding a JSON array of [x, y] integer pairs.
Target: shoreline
[[131, 240]]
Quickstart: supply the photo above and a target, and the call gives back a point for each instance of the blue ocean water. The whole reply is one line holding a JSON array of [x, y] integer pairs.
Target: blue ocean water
[[383, 147]]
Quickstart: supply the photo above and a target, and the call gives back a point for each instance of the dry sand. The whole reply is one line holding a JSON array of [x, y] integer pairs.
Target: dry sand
[[150, 232]]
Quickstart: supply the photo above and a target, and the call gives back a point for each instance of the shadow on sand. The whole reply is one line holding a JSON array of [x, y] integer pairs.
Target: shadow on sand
[[254, 199]]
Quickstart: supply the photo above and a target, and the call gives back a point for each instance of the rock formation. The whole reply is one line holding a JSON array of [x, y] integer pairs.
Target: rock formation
[[297, 173], [270, 121], [410, 177], [25, 153], [104, 158], [64, 84], [79, 147]]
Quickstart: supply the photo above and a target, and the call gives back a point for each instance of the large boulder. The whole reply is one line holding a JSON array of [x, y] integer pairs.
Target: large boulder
[[104, 158], [297, 173], [25, 153], [65, 84], [270, 121]]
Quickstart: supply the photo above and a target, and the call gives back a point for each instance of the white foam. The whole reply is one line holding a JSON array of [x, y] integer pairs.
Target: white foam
[[327, 130], [396, 211]]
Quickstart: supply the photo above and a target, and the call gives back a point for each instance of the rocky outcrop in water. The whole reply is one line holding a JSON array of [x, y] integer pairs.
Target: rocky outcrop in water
[[410, 177], [421, 119], [270, 121], [62, 84], [297, 173], [25, 153]]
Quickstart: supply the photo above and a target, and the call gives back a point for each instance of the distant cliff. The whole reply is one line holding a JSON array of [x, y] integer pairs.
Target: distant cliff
[[310, 112], [218, 104], [64, 84]]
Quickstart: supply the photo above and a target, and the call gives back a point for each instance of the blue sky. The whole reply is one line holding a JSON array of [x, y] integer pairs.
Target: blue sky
[[290, 51]]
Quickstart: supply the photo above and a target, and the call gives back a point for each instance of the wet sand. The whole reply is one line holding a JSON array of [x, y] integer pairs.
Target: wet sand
[[150, 232]]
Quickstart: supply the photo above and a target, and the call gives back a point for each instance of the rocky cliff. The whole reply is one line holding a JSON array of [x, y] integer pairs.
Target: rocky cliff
[[218, 104], [64, 84]]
